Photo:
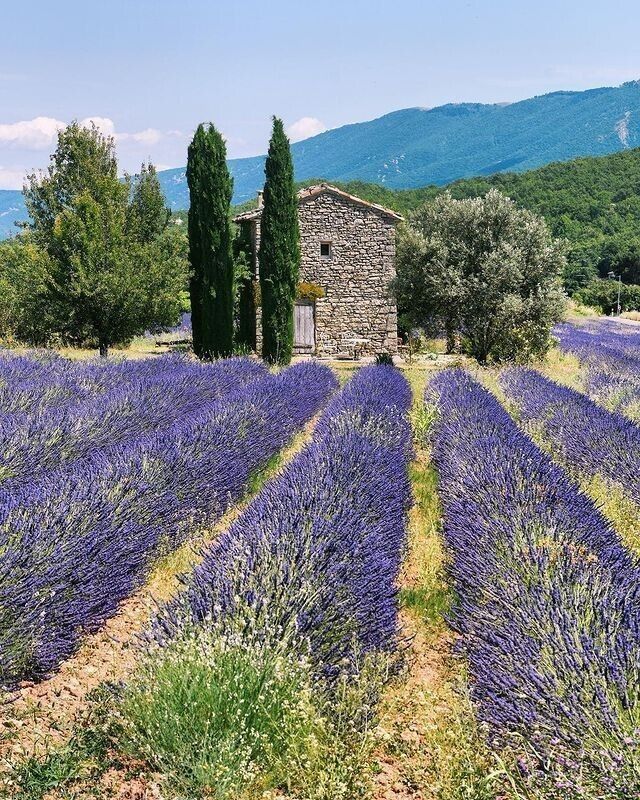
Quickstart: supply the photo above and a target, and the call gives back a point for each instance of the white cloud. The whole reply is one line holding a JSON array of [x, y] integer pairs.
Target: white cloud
[[304, 128], [41, 133], [149, 136], [105, 125], [33, 134], [11, 177], [28, 142]]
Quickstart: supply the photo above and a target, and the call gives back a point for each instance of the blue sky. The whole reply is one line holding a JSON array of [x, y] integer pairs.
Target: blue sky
[[150, 70]]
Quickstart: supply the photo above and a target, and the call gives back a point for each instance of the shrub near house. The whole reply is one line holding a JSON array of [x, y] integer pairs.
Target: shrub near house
[[485, 272]]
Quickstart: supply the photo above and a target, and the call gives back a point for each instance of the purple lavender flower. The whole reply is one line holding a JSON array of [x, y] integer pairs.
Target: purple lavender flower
[[313, 562], [589, 439], [76, 540], [547, 598]]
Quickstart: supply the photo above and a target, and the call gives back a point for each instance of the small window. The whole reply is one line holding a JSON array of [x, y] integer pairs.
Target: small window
[[325, 249]]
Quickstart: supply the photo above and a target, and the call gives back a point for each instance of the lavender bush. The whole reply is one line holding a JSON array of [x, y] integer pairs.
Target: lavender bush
[[286, 626], [43, 378], [547, 603], [610, 354], [37, 441], [314, 559], [587, 437], [76, 540]]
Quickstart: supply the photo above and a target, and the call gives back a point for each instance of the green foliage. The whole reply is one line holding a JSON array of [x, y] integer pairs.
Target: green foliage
[[384, 358], [603, 295], [279, 250], [164, 264], [593, 203], [108, 269], [25, 313], [147, 214], [483, 270], [621, 255], [84, 162], [245, 292], [212, 280], [217, 716]]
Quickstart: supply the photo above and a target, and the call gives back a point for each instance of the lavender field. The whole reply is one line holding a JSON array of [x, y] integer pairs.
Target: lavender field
[[104, 468], [425, 598]]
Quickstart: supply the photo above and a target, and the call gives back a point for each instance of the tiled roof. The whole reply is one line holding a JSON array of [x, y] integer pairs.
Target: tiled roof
[[313, 191]]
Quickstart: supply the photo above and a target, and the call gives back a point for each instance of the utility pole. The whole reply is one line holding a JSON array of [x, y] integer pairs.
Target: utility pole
[[612, 275]]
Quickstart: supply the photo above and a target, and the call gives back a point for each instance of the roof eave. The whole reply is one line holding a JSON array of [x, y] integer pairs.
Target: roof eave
[[311, 192]]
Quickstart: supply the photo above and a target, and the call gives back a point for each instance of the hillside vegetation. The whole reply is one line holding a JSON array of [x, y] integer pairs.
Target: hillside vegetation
[[414, 147], [593, 203]]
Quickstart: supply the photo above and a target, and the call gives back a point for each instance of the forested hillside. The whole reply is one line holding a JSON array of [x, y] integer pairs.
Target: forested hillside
[[594, 203], [414, 147]]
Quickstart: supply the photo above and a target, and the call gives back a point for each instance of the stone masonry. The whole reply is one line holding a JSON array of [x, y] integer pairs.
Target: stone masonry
[[355, 277]]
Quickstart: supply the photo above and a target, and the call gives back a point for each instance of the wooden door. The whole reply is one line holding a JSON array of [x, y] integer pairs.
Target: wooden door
[[304, 328]]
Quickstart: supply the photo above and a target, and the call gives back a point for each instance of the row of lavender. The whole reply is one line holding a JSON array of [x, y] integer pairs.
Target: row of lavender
[[610, 353], [587, 438], [547, 605], [76, 540], [312, 564], [140, 399], [41, 379]]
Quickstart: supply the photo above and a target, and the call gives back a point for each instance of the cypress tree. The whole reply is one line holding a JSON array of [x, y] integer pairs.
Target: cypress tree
[[211, 284], [245, 289], [279, 257]]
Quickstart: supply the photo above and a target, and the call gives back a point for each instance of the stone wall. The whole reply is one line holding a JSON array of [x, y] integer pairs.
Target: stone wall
[[355, 280]]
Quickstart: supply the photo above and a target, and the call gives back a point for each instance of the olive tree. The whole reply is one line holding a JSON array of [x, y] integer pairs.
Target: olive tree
[[484, 272]]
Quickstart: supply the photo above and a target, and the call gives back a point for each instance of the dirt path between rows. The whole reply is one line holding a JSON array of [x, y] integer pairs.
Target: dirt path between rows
[[412, 711], [429, 744]]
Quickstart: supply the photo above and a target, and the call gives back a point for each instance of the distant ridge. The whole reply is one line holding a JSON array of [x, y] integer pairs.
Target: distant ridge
[[12, 210], [415, 147]]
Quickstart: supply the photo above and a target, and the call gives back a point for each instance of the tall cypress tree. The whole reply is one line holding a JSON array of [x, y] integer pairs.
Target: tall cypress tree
[[279, 256], [211, 285]]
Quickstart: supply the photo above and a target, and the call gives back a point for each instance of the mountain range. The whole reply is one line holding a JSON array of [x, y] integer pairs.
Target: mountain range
[[415, 147]]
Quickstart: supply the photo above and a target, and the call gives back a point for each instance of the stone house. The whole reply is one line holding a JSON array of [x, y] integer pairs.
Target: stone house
[[348, 257]]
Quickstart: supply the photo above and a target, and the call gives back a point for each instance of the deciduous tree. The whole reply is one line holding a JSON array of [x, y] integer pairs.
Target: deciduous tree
[[147, 214], [109, 275]]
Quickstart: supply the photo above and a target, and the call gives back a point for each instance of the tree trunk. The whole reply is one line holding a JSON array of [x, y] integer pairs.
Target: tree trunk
[[451, 336], [104, 349]]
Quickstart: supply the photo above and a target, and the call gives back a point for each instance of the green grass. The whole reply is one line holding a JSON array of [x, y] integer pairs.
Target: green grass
[[229, 720], [621, 511], [430, 602], [431, 733], [82, 760], [215, 716], [219, 718]]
